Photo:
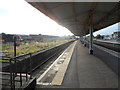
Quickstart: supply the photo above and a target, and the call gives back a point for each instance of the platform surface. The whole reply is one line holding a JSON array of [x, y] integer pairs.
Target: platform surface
[[86, 71]]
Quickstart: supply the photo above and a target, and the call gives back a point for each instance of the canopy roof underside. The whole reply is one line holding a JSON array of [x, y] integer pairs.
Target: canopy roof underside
[[78, 17]]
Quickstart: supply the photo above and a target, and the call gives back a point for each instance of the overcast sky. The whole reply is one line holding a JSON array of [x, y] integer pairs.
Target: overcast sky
[[18, 17], [108, 30]]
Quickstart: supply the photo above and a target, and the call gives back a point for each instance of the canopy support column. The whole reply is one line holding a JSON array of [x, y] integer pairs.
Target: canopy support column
[[91, 41]]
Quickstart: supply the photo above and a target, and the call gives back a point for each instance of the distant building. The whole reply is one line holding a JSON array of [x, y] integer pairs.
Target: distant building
[[41, 37], [116, 35], [35, 37], [111, 36], [26, 37], [107, 37]]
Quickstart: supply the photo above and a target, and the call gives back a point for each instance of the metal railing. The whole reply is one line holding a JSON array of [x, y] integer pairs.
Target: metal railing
[[19, 69], [14, 78]]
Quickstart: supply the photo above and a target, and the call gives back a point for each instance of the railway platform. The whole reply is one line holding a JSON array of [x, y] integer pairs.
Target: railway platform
[[76, 68]]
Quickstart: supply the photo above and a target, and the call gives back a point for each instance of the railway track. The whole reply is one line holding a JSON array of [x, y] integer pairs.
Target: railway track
[[27, 63], [115, 46]]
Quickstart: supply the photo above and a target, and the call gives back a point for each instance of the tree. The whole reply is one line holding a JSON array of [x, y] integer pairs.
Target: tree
[[7, 37], [99, 36]]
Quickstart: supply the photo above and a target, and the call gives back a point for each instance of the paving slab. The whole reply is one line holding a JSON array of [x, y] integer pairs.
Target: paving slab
[[88, 71]]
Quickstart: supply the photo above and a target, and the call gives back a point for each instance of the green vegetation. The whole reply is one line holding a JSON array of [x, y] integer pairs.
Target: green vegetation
[[6, 46], [31, 47]]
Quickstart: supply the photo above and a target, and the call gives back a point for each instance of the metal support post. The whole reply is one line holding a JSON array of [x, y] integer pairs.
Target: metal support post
[[26, 76], [20, 78], [15, 45], [11, 76], [91, 41], [30, 65], [85, 41]]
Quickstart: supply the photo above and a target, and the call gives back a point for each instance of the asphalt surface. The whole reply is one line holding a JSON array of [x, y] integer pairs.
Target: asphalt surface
[[88, 71]]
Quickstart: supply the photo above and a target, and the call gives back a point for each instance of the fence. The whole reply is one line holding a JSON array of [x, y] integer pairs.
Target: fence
[[13, 79], [19, 69]]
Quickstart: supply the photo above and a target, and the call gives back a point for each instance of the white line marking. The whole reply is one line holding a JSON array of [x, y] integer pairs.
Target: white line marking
[[58, 79], [38, 80]]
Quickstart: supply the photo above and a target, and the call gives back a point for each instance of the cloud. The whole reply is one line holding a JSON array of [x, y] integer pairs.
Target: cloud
[[3, 11]]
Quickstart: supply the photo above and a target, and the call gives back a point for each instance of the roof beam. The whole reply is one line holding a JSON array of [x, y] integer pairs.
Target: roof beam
[[117, 7], [89, 20], [74, 12], [74, 23], [91, 14], [77, 15], [59, 5]]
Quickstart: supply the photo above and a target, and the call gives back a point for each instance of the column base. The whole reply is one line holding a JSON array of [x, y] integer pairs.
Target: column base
[[84, 45], [91, 52]]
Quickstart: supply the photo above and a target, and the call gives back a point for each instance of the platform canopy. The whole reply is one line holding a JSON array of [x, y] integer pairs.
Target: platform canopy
[[78, 17]]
